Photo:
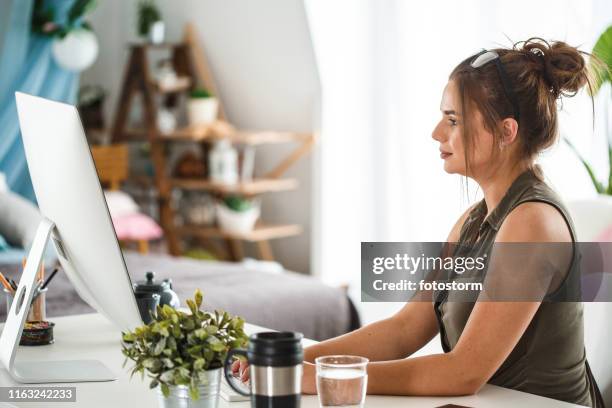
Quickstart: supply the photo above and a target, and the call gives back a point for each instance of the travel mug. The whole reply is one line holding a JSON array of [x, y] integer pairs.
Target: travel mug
[[275, 368]]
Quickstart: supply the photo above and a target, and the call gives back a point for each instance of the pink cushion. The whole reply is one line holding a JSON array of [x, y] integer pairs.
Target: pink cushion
[[606, 235], [136, 227]]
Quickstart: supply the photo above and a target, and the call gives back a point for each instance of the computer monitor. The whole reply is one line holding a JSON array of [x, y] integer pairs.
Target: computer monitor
[[77, 220]]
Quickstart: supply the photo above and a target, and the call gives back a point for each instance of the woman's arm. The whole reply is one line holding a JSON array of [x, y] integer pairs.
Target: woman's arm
[[485, 343], [491, 333], [396, 337], [393, 338]]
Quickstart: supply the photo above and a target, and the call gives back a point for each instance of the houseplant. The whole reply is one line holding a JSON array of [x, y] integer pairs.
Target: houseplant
[[183, 353], [601, 66], [202, 107], [237, 214], [75, 46], [150, 23]]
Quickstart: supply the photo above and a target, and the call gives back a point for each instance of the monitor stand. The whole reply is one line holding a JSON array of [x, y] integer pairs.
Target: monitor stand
[[40, 372]]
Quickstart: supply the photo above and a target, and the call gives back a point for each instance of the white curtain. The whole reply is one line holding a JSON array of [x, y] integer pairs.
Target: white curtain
[[383, 66]]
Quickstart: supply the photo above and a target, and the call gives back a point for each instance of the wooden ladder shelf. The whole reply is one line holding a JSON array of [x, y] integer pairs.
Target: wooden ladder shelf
[[189, 61]]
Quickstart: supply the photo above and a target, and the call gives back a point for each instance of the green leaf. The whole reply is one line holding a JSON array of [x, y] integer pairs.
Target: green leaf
[[192, 306], [194, 392], [78, 9], [152, 364], [198, 298], [199, 364], [603, 51], [165, 390], [159, 347], [596, 183], [168, 310]]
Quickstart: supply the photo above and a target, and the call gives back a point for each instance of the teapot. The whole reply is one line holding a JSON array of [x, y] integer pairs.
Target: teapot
[[163, 289]]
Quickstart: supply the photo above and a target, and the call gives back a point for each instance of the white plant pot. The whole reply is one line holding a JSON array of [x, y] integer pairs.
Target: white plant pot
[[239, 222], [76, 51], [202, 111], [157, 32]]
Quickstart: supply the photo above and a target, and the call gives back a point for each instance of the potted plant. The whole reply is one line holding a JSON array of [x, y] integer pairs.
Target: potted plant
[[237, 214], [183, 353], [202, 107], [602, 67], [150, 24]]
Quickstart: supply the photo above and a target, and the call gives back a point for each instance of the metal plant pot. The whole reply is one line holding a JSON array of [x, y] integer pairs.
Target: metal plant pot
[[179, 394]]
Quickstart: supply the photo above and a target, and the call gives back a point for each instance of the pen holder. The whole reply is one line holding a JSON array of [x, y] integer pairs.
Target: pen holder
[[38, 308]]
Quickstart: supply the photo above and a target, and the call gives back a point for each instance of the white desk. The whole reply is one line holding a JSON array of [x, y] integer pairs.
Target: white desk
[[93, 337]]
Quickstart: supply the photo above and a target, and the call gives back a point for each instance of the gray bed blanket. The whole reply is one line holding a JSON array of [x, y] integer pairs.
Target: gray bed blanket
[[278, 300]]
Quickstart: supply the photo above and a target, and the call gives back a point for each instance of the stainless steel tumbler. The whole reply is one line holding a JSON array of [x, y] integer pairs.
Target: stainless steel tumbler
[[275, 364]]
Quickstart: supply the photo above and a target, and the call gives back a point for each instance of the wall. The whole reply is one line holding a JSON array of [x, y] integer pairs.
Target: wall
[[261, 56]]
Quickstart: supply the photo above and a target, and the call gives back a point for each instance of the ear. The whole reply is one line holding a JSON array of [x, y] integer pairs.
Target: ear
[[509, 131]]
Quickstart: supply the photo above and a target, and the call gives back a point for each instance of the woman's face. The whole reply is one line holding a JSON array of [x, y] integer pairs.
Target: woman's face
[[448, 133]]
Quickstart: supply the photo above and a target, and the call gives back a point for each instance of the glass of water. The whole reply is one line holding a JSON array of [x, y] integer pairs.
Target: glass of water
[[341, 381]]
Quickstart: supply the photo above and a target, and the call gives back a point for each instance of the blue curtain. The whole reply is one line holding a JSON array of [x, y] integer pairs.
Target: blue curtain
[[26, 65]]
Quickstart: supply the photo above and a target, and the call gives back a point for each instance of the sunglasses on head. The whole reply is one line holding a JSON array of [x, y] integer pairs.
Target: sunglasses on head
[[483, 58]]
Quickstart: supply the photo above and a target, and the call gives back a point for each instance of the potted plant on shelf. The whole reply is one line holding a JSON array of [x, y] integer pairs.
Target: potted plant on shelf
[[237, 214], [183, 353], [150, 24], [202, 107]]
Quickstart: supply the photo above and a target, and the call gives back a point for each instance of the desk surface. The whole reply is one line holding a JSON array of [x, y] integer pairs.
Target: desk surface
[[91, 336]]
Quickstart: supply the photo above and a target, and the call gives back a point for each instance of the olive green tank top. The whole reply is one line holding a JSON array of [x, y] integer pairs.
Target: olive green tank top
[[549, 359]]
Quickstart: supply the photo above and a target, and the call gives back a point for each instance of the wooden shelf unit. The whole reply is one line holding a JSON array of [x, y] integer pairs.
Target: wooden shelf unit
[[262, 232], [188, 59], [216, 131], [247, 188]]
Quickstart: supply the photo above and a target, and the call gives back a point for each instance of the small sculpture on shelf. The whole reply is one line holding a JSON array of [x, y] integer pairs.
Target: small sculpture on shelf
[[197, 209], [189, 166]]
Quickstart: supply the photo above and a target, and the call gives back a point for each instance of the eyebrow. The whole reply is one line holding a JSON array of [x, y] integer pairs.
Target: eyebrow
[[449, 112]]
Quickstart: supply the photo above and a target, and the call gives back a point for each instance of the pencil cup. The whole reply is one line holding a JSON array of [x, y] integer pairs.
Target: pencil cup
[[38, 309]]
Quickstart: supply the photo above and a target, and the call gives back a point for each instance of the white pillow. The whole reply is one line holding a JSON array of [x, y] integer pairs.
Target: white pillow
[[120, 204]]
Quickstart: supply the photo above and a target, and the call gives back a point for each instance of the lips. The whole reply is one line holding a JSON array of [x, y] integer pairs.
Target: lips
[[445, 155]]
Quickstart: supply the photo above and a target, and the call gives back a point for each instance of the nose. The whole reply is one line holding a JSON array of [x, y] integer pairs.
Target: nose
[[438, 134]]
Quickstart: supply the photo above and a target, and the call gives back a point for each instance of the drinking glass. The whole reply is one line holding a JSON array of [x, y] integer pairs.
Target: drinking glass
[[341, 381]]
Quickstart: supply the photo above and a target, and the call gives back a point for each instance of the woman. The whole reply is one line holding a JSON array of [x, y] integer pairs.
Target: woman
[[499, 110]]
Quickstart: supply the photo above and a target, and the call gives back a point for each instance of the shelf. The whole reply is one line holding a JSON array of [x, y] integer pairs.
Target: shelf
[[256, 186], [182, 84], [164, 45], [260, 233], [219, 130]]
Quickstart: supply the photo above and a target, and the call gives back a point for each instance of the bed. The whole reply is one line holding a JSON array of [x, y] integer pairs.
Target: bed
[[280, 300]]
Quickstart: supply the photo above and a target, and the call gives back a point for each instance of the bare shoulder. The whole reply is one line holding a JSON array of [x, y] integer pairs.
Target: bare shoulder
[[534, 222], [455, 232]]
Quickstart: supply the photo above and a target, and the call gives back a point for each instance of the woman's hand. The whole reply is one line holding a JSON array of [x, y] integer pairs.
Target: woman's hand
[[240, 369], [309, 378]]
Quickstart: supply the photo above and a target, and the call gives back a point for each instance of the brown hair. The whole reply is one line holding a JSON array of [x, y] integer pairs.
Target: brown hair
[[539, 73]]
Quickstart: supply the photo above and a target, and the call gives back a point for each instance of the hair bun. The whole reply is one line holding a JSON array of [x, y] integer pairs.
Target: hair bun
[[564, 67]]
